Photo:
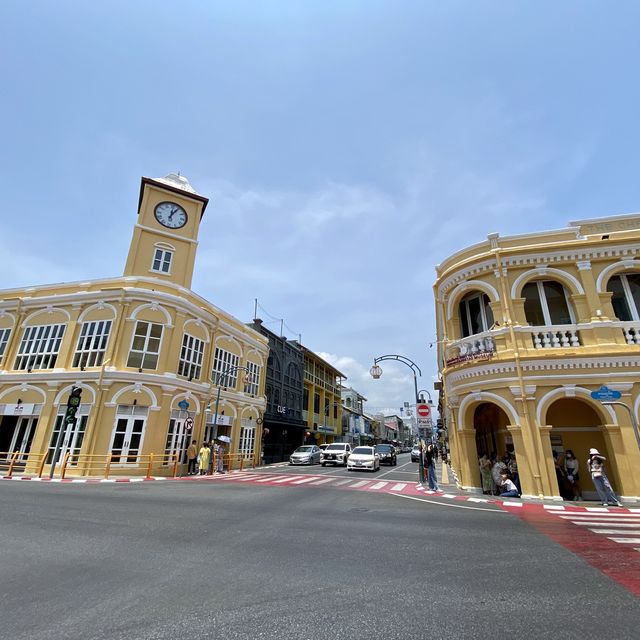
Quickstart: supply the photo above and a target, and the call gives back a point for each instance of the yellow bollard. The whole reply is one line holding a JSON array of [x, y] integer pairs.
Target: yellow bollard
[[12, 463], [41, 467], [64, 465], [241, 462], [149, 465], [175, 465], [107, 467]]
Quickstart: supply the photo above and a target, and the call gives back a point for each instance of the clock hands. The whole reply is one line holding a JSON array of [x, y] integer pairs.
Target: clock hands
[[172, 212]]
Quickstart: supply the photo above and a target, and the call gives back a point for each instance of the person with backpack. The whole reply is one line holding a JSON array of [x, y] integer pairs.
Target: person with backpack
[[595, 466]]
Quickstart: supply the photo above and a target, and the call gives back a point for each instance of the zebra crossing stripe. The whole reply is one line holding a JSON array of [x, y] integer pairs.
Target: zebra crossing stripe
[[626, 540], [304, 480], [398, 487], [361, 483], [379, 485], [285, 479], [323, 481]]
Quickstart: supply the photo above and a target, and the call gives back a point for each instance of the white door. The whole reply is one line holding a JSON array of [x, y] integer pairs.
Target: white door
[[178, 436], [126, 441], [23, 434], [72, 437]]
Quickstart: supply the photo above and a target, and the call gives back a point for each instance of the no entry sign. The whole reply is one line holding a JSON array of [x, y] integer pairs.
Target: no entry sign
[[423, 410]]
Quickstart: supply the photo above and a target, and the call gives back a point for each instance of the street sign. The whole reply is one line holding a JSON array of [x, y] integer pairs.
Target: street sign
[[604, 394], [188, 423], [423, 410], [183, 404]]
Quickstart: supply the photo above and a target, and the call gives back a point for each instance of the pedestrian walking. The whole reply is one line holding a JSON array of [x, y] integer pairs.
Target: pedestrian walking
[[595, 465], [485, 473], [571, 469], [203, 458], [509, 489], [430, 467], [220, 458], [192, 458]]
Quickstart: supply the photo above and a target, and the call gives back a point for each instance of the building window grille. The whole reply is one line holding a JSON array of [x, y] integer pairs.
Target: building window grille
[[546, 304], [162, 261], [145, 347], [190, 363], [4, 339], [225, 361], [251, 385], [92, 343], [39, 347], [625, 290], [475, 314]]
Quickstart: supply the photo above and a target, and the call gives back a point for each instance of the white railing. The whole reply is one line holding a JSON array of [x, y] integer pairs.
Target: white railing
[[631, 331], [555, 337], [479, 346]]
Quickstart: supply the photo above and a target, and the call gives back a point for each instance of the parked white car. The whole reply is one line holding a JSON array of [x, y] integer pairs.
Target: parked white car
[[363, 458], [336, 453]]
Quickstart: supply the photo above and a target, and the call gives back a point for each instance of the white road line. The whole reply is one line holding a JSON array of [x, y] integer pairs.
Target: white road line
[[553, 507], [343, 482], [613, 532], [379, 485], [509, 504], [602, 523], [446, 504], [359, 484], [399, 487], [78, 481], [634, 510], [287, 479], [477, 500], [626, 540], [323, 481], [248, 478], [599, 515], [309, 479], [594, 509], [267, 479]]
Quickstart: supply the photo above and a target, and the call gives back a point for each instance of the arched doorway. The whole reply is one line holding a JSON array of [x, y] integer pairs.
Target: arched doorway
[[577, 425], [490, 423]]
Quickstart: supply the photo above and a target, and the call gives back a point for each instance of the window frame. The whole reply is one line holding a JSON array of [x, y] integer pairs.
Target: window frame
[[191, 367], [144, 351], [228, 360], [253, 373], [542, 297], [24, 360], [5, 334], [94, 357], [631, 304], [162, 256], [464, 306]]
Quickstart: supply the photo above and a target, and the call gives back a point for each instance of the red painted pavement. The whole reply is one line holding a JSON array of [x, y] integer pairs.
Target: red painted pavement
[[620, 562]]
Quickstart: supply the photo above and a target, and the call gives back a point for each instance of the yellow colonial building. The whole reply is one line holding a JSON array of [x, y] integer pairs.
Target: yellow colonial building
[[143, 348], [528, 328]]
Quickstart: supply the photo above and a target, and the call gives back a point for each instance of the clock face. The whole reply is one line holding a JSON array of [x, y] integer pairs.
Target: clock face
[[170, 214]]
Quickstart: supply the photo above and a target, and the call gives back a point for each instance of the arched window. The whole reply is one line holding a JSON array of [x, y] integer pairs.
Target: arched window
[[625, 288], [475, 314], [546, 303]]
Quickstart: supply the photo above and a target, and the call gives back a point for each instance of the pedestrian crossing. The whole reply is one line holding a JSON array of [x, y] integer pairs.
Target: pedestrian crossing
[[275, 479], [622, 528]]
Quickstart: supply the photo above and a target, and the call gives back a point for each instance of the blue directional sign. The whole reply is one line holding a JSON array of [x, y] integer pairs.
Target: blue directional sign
[[605, 394], [183, 404]]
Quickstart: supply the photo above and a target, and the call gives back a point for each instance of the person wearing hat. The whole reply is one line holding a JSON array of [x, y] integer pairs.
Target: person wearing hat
[[595, 464]]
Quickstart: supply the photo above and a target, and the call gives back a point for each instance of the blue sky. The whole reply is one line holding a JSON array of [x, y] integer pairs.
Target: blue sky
[[347, 147]]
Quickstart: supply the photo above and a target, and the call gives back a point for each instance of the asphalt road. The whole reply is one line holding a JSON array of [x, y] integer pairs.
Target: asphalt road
[[226, 560]]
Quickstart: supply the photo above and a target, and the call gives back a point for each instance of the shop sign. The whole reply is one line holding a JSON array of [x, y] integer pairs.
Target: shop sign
[[18, 409], [325, 429], [470, 357]]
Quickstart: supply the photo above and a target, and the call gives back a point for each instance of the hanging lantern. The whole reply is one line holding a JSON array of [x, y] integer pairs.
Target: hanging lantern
[[375, 372]]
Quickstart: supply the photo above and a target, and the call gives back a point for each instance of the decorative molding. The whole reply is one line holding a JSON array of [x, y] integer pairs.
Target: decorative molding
[[485, 396], [101, 305], [561, 275], [468, 287], [49, 310], [612, 269], [583, 265]]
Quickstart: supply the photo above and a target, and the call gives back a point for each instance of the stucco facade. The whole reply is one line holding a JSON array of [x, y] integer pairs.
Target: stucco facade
[[142, 347], [528, 327]]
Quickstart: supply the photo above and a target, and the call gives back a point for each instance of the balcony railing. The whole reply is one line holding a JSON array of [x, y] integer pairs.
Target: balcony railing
[[555, 337], [478, 347], [631, 332]]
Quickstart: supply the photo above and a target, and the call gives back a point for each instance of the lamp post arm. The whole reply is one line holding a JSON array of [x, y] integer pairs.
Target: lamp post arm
[[410, 363]]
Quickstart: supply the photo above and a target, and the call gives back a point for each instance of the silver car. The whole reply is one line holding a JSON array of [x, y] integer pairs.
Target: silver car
[[307, 454]]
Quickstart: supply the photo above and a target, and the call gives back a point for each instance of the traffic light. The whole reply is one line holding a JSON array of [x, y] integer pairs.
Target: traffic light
[[72, 405]]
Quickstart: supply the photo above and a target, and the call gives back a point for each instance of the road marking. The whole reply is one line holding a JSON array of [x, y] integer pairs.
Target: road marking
[[286, 479], [477, 500], [398, 487], [508, 504], [604, 523], [553, 507], [626, 540], [600, 515], [267, 479], [616, 532], [305, 480], [445, 504], [594, 509], [323, 481], [248, 478], [361, 483], [343, 482], [379, 485]]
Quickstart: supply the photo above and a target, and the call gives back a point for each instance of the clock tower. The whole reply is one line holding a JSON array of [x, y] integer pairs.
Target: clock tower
[[165, 236]]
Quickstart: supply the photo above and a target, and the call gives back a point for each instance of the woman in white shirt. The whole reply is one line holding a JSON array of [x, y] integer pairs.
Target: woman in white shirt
[[509, 489]]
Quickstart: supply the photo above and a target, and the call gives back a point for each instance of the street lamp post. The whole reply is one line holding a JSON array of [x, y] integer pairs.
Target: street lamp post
[[217, 381], [376, 372]]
